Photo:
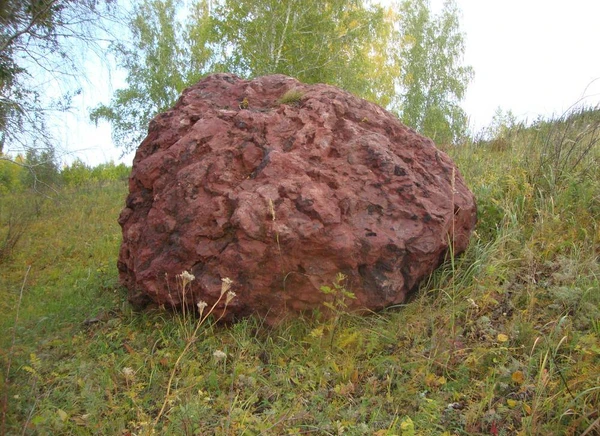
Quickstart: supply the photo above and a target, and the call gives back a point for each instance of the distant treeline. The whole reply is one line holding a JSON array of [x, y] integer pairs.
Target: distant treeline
[[41, 170]]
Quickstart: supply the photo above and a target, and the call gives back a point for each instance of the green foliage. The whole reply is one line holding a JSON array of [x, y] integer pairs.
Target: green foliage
[[339, 295], [110, 172], [39, 171], [563, 151], [76, 174], [15, 218], [337, 307], [15, 17], [340, 42], [158, 66], [11, 174], [42, 169], [39, 44], [362, 47], [79, 174], [292, 96], [434, 80], [568, 149], [347, 43]]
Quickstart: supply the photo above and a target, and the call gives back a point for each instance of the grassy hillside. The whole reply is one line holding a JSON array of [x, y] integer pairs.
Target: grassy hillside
[[503, 340]]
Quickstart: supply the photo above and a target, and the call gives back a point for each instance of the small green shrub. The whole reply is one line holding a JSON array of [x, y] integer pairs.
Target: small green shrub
[[76, 174], [292, 97], [11, 174], [42, 173], [79, 173]]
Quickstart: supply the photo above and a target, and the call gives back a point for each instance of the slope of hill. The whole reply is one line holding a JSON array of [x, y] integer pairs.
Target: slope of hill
[[503, 340]]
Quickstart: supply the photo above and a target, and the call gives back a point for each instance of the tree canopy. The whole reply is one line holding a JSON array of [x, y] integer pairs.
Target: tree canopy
[[157, 63], [39, 66], [399, 55], [433, 79], [347, 43], [340, 42]]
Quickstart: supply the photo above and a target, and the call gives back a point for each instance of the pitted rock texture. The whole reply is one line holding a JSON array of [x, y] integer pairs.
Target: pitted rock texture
[[280, 197]]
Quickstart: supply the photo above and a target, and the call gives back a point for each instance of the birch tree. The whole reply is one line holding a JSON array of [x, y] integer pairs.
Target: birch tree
[[157, 62], [40, 41], [398, 56], [339, 42], [434, 79]]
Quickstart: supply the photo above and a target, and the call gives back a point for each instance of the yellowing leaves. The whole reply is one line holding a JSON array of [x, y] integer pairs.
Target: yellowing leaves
[[407, 426], [518, 377], [344, 389], [348, 340], [317, 332], [409, 40], [433, 381], [62, 415], [502, 338]]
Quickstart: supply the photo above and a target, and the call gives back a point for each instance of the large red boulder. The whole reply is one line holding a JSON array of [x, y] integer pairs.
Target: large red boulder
[[279, 186]]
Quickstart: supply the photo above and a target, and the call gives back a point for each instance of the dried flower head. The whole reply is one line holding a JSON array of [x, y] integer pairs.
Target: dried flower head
[[225, 284], [230, 296], [129, 373], [473, 303], [219, 355], [186, 277], [201, 306]]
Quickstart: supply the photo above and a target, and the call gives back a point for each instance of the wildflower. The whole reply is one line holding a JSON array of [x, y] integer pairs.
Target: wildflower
[[472, 302], [128, 372], [230, 296], [226, 284], [219, 355], [201, 306], [186, 277]]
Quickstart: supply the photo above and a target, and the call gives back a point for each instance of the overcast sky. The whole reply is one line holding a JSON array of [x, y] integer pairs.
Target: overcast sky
[[533, 57]]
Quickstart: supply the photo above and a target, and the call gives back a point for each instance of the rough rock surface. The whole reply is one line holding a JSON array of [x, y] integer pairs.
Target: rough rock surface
[[280, 197]]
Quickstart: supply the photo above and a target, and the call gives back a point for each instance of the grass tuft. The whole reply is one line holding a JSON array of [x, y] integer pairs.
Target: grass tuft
[[291, 97]]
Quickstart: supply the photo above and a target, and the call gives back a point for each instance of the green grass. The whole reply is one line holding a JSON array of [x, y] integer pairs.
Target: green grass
[[291, 97], [503, 340]]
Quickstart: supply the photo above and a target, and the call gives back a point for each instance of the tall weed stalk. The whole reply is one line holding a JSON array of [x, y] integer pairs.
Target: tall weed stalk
[[186, 279]]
